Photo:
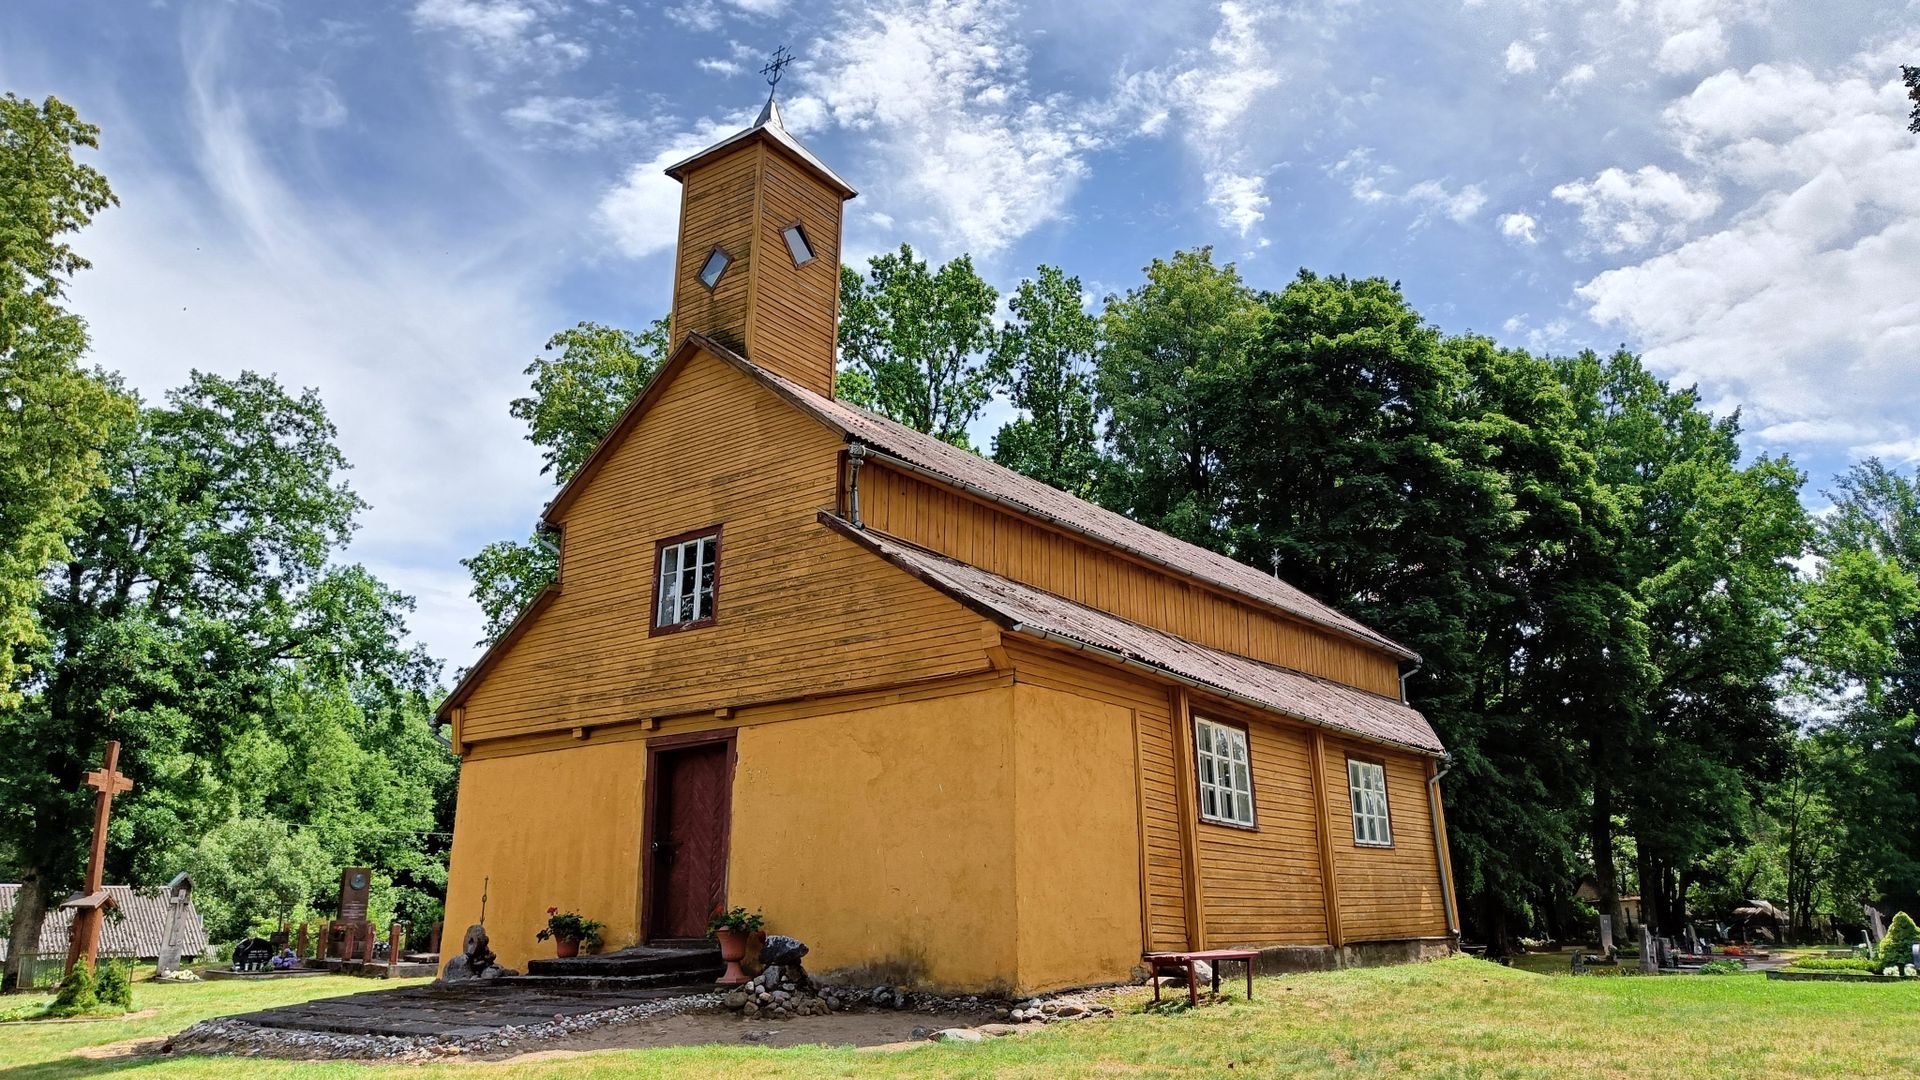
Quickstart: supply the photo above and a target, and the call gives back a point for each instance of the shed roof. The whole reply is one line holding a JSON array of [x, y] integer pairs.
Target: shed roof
[[1026, 610], [139, 931]]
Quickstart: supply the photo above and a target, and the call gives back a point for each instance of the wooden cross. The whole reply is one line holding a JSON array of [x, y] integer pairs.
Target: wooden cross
[[89, 906]]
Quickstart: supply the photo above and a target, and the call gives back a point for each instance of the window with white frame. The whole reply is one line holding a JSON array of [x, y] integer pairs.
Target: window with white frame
[[1367, 785], [1226, 780], [688, 571]]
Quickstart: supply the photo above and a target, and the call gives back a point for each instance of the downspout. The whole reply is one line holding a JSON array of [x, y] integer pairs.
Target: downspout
[[1439, 845], [856, 453], [1405, 674]]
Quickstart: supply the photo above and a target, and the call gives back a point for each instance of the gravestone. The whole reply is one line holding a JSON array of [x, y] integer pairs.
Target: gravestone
[[1606, 935], [179, 902], [1877, 927], [1649, 956], [349, 935], [252, 954]]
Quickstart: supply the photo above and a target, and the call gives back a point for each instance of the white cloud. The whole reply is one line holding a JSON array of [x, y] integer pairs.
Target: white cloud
[[319, 104], [941, 92], [642, 212], [1577, 76], [1240, 201], [505, 31], [1521, 59], [720, 65], [1626, 210], [1803, 304], [1520, 227], [1460, 205], [1691, 49], [573, 121]]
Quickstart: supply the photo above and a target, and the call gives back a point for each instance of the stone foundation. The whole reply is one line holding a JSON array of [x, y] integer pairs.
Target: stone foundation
[[1287, 959]]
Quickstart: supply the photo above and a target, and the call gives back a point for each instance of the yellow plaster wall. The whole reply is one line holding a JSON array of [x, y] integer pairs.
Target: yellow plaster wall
[[555, 829], [883, 838], [1076, 836]]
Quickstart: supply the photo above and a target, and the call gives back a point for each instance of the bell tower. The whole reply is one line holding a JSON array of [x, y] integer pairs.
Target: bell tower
[[758, 264]]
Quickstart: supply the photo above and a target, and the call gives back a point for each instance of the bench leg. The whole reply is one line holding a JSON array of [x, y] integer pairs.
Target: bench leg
[[1216, 978], [1249, 980], [1193, 987]]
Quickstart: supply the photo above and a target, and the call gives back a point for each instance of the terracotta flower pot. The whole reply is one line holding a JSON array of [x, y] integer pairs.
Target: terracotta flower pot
[[565, 947], [733, 949]]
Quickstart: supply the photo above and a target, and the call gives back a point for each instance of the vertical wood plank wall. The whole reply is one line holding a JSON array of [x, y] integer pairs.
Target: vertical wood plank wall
[[1264, 887], [802, 611], [717, 210], [997, 541], [793, 324]]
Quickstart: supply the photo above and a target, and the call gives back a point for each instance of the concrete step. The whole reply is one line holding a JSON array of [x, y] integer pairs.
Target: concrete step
[[693, 964], [664, 984]]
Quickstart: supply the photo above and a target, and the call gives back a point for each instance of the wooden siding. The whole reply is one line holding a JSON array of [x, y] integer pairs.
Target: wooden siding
[[802, 612], [792, 323], [1164, 870], [1391, 893], [718, 204], [1263, 886], [975, 532]]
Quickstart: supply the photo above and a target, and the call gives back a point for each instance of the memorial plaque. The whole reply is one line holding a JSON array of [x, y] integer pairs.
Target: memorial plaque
[[355, 884]]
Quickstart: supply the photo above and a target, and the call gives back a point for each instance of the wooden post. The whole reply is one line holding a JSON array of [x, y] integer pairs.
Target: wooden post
[[1183, 767], [1323, 828], [394, 943], [84, 942]]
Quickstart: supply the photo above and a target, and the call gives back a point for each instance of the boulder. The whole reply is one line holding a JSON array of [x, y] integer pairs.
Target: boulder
[[781, 949]]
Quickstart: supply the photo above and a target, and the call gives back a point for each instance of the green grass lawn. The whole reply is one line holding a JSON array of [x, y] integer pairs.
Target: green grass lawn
[[1456, 1018]]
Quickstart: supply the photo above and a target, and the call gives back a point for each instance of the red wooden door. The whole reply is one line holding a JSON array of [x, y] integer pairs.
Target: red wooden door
[[692, 807]]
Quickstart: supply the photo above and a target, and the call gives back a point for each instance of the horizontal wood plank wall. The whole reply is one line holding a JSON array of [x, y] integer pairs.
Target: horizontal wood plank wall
[[717, 210], [998, 541], [802, 611], [1385, 893], [1263, 886], [794, 319], [1166, 893]]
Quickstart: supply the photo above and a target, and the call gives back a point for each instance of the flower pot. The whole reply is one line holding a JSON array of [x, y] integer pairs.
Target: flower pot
[[565, 947], [733, 949]]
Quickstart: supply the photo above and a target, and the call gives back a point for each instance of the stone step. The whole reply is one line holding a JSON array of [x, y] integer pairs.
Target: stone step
[[640, 960], [662, 984]]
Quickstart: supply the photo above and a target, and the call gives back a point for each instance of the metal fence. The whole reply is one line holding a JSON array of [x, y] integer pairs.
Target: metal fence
[[42, 970]]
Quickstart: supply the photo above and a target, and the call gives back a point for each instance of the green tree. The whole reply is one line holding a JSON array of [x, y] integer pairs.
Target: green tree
[[581, 385], [916, 342], [54, 416], [247, 871], [199, 572], [1045, 358], [1166, 377], [1911, 76]]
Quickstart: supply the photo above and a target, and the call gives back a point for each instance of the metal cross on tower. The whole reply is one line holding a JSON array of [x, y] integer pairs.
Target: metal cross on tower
[[782, 56]]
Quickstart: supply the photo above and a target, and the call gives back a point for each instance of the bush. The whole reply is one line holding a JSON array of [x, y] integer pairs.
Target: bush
[[77, 994], [1722, 967], [115, 985], [1852, 964], [1896, 949]]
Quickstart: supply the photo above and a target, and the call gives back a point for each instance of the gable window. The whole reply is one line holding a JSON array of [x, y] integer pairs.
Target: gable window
[[716, 265], [688, 572], [1226, 784], [797, 245], [1367, 786]]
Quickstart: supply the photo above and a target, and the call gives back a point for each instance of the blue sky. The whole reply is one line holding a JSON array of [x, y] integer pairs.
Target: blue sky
[[398, 202]]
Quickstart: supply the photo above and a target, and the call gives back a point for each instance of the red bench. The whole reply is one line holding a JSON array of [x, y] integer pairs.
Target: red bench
[[1183, 962]]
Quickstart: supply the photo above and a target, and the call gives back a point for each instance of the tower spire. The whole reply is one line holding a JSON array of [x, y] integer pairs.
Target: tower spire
[[775, 66]]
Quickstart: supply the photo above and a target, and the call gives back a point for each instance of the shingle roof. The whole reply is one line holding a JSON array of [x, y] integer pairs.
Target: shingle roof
[[1024, 609], [977, 474], [138, 930]]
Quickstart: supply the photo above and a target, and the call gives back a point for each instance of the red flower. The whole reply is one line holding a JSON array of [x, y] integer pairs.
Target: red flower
[[553, 911]]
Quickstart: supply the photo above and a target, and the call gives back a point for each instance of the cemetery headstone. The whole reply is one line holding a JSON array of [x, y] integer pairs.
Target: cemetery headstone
[[252, 954], [1606, 935], [179, 902], [1876, 926], [1649, 958]]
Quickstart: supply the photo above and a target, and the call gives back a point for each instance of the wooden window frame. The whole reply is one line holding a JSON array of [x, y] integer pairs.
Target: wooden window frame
[[1386, 802], [654, 627], [700, 275], [1252, 824], [813, 253]]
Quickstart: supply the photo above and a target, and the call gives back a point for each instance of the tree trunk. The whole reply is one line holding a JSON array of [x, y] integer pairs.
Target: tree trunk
[[29, 913], [1606, 876]]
